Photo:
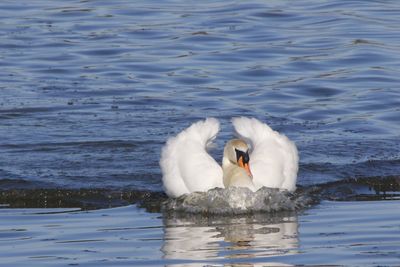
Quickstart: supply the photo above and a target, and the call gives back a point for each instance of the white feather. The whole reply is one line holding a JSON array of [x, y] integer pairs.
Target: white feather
[[185, 163], [274, 158]]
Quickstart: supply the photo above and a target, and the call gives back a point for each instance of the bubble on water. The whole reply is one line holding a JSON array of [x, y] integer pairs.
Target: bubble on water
[[237, 200]]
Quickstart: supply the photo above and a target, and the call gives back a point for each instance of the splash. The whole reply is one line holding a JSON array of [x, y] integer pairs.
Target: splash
[[236, 200]]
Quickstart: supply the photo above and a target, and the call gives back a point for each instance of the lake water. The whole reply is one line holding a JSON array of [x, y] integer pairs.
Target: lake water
[[333, 233], [90, 91]]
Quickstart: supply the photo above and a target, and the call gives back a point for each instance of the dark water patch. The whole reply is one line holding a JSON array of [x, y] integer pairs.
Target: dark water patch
[[72, 11], [192, 81], [61, 107], [55, 57], [29, 110], [45, 147], [257, 72], [55, 71], [363, 189], [105, 52], [24, 194], [322, 92], [209, 39], [20, 184], [82, 198], [275, 14]]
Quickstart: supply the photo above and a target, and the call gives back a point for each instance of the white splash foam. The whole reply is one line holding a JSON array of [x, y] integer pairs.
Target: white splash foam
[[236, 200]]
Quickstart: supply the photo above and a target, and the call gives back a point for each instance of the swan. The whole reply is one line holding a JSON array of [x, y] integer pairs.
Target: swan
[[259, 157]]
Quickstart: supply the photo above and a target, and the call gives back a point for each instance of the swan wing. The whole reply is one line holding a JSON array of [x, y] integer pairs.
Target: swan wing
[[274, 158], [185, 163]]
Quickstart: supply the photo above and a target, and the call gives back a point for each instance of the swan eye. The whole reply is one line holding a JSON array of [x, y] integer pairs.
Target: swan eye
[[244, 155]]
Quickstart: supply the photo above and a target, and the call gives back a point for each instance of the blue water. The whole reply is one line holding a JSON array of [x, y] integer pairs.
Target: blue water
[[90, 90], [333, 233]]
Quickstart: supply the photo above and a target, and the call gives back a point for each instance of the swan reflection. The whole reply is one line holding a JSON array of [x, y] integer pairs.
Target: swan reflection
[[196, 237]]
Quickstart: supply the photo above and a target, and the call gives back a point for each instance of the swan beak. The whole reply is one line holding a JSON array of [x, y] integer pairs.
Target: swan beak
[[245, 166]]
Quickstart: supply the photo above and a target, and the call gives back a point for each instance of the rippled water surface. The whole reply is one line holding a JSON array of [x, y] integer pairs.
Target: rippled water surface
[[90, 91], [333, 233]]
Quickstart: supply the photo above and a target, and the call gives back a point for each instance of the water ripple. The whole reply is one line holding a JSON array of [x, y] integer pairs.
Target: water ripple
[[325, 74]]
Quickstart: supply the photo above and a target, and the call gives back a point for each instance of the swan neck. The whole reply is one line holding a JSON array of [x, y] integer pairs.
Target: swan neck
[[226, 162]]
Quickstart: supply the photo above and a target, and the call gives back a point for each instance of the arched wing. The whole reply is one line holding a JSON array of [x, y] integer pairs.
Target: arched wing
[[274, 158], [185, 163]]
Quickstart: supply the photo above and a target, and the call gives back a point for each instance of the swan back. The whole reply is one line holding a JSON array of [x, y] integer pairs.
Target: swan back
[[185, 164]]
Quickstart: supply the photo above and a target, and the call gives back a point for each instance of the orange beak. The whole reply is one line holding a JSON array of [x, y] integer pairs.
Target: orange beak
[[245, 166]]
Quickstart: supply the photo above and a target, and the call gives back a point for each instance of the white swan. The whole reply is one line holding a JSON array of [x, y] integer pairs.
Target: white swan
[[187, 167]]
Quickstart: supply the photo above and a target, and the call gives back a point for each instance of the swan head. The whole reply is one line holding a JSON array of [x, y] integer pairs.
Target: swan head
[[236, 151]]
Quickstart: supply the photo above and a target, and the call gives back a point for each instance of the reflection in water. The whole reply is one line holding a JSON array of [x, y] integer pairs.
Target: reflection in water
[[196, 237]]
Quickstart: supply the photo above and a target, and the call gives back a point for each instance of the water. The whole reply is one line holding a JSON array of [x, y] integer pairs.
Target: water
[[90, 91], [93, 89], [333, 233]]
